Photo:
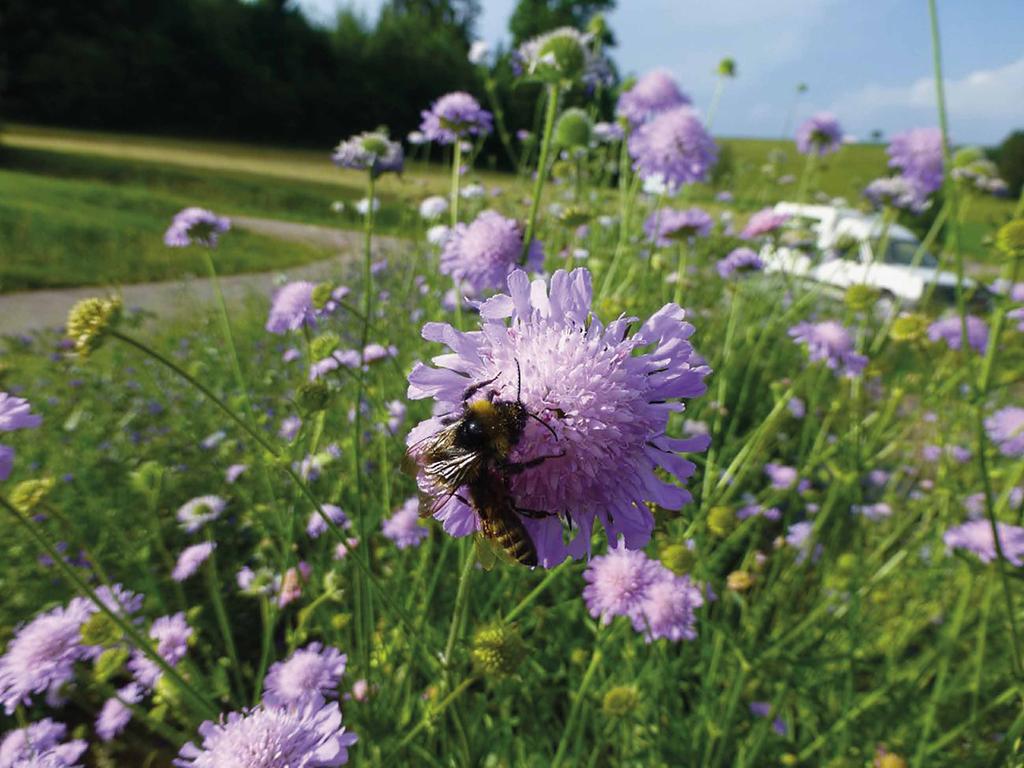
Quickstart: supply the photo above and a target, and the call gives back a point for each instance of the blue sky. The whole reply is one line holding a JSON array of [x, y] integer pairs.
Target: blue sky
[[868, 61]]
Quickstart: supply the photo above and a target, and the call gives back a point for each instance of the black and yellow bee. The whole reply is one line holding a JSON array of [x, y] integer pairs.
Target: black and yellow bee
[[472, 452]]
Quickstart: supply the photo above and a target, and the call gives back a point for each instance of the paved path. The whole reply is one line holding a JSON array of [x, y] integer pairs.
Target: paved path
[[36, 310]]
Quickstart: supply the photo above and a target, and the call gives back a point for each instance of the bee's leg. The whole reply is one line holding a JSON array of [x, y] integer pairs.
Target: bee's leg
[[474, 388], [515, 467], [536, 514]]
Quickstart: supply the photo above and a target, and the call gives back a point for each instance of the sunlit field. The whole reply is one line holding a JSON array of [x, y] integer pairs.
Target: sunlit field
[[600, 464]]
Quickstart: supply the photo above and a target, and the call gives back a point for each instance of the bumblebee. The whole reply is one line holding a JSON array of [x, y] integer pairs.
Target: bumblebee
[[472, 452]]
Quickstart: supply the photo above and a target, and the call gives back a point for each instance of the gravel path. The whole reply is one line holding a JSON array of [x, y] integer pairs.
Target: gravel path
[[35, 310]]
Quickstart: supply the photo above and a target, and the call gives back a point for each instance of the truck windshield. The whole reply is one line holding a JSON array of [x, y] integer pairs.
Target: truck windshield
[[903, 251]]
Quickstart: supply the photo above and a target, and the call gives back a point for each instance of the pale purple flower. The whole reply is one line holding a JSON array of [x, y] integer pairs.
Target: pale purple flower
[[874, 512], [674, 148], [311, 674], [605, 392], [481, 255], [783, 477], [116, 714], [291, 586], [118, 599], [342, 358], [479, 50], [918, 156], [664, 226], [668, 608], [16, 413], [370, 151], [950, 330], [433, 208], [6, 461], [212, 440], [758, 510], [820, 134], [618, 583], [195, 226], [799, 536], [606, 133], [1017, 314], [796, 407], [1002, 286], [373, 352], [234, 472], [197, 512], [342, 548], [41, 745], [396, 415], [455, 116], [830, 342], [763, 222], [975, 503], [976, 536], [191, 558], [41, 656], [651, 95], [897, 191], [308, 736], [172, 634], [1005, 428], [739, 260], [317, 525], [404, 527], [292, 308], [289, 428], [291, 355], [764, 709]]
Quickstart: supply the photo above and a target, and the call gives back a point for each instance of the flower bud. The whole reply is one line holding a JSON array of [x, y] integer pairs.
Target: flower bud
[[313, 396], [497, 650], [721, 520], [573, 129], [620, 701], [678, 558], [1010, 238], [324, 345], [322, 294], [909, 327], [28, 494], [739, 581], [89, 320]]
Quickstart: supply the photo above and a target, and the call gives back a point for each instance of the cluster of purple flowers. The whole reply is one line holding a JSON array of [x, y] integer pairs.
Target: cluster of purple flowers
[[195, 226], [480, 256], [371, 151], [820, 134], [404, 527], [15, 413], [664, 226], [1005, 428], [292, 308], [627, 583], [41, 744], [917, 155], [831, 343], [673, 148], [738, 261], [604, 393], [763, 222], [651, 95], [951, 331], [976, 536], [453, 117]]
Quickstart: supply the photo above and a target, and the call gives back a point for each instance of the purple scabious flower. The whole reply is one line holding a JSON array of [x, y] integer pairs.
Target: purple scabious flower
[[820, 134], [347, 358], [453, 117], [211, 441], [797, 407], [317, 525], [292, 308], [39, 745], [191, 558], [618, 582], [6, 461], [307, 736], [739, 260], [1017, 314], [396, 416], [311, 674], [652, 94], [668, 608], [950, 330], [289, 428], [674, 148], [918, 156], [606, 133], [799, 536], [115, 714], [1005, 428], [605, 393], [873, 512], [172, 634], [195, 226], [41, 656], [197, 512], [666, 225], [16, 413], [781, 476], [897, 191], [480, 256], [763, 222], [233, 472], [403, 527], [433, 208], [370, 151], [830, 342], [976, 536]]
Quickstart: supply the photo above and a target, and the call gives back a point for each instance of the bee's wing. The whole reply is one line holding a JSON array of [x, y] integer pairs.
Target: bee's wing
[[445, 467], [487, 552]]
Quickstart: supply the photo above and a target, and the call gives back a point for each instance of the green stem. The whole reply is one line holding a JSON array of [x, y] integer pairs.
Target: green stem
[[267, 621], [805, 177], [213, 587], [453, 193], [577, 704], [525, 603], [542, 169], [715, 98], [460, 600]]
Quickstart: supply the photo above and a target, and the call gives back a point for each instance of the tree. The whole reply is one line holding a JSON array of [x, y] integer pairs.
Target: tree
[[534, 17], [1010, 159]]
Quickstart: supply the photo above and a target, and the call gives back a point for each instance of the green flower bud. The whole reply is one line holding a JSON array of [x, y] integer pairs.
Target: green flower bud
[[110, 663], [573, 129], [574, 216], [322, 294], [313, 396], [497, 650], [727, 67], [678, 558], [1010, 238], [324, 345], [739, 581], [860, 297], [563, 52], [909, 328], [28, 494], [101, 630], [620, 701], [89, 320], [721, 520]]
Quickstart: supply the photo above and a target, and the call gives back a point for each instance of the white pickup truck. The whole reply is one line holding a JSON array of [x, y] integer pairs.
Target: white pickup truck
[[838, 247]]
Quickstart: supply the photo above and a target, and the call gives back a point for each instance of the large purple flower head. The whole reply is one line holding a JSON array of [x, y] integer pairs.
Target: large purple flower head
[[976, 536], [404, 526], [292, 308], [820, 134], [669, 609], [308, 736], [1005, 428], [950, 330], [650, 95], [191, 558], [604, 395], [739, 261], [195, 226], [16, 413], [830, 342], [918, 156], [41, 657], [41, 745], [311, 674], [664, 226], [897, 191], [763, 222], [453, 117], [480, 256], [371, 151], [674, 148]]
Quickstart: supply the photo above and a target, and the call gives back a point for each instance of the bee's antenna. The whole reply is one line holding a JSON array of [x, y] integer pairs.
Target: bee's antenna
[[519, 382]]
